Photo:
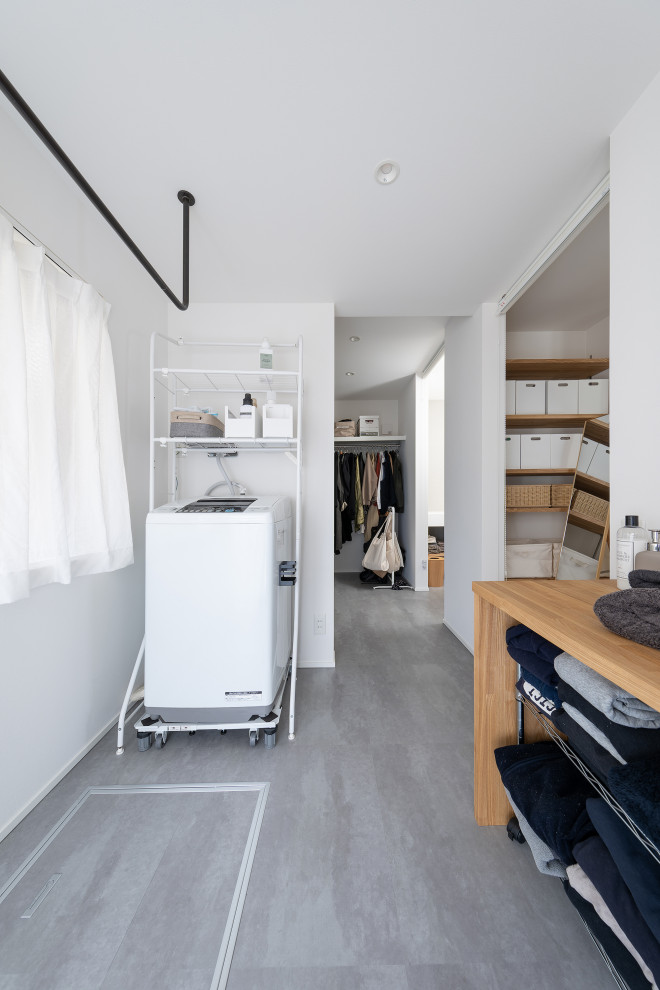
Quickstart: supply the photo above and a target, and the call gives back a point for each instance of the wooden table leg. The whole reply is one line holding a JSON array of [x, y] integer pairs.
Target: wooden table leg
[[495, 711]]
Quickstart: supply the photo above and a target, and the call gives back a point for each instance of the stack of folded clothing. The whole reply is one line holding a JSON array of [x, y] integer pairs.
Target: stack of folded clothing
[[550, 794], [606, 725], [637, 789], [621, 880], [538, 679]]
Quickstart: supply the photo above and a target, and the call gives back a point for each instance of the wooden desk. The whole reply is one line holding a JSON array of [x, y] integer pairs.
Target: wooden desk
[[562, 612]]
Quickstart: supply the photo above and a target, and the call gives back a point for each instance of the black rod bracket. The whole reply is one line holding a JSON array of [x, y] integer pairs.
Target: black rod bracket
[[185, 198]]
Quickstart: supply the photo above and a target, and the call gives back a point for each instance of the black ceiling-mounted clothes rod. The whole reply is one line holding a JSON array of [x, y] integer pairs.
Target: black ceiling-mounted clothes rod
[[185, 198]]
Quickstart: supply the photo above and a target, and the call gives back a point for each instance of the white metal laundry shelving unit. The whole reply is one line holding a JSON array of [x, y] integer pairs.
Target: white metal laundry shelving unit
[[180, 384]]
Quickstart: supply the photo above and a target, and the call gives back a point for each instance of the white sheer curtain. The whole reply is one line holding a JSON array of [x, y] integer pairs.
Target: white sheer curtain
[[63, 497]]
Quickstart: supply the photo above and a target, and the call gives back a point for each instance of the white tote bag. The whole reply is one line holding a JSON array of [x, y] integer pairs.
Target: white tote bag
[[375, 559]]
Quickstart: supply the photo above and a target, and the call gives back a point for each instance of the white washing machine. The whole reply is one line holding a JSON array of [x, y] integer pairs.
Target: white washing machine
[[218, 627]]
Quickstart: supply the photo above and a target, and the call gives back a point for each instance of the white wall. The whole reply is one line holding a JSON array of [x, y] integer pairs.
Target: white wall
[[412, 525], [474, 453], [67, 651], [273, 473], [436, 462], [590, 342], [634, 319], [387, 409]]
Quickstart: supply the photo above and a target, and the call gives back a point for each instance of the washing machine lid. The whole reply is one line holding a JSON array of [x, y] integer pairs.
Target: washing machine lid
[[217, 505]]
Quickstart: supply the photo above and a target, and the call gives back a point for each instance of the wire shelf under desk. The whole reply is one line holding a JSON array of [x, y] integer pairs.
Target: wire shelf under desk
[[598, 786]]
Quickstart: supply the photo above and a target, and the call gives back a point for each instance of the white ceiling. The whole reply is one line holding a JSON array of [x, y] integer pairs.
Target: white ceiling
[[275, 115], [390, 350]]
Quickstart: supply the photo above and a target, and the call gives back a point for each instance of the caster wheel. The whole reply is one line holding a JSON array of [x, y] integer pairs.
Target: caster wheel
[[223, 732], [254, 737], [144, 741], [513, 831], [161, 739], [270, 738], [192, 732]]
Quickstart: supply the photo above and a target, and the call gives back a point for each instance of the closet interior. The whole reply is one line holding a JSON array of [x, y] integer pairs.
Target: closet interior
[[557, 416]]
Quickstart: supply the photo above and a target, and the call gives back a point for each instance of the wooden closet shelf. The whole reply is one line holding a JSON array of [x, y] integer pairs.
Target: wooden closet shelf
[[549, 369], [537, 508], [541, 420]]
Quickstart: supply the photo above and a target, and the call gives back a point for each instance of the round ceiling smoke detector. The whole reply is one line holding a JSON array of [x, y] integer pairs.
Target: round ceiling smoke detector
[[386, 172], [354, 340], [350, 373]]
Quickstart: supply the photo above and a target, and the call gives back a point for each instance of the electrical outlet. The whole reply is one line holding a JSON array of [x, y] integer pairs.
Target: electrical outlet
[[319, 625], [425, 563]]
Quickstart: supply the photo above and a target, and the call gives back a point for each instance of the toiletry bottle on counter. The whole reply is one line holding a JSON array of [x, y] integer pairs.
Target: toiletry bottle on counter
[[649, 559], [631, 539]]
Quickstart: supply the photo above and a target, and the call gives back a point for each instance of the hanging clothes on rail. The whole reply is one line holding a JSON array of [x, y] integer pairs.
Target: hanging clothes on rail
[[367, 483]]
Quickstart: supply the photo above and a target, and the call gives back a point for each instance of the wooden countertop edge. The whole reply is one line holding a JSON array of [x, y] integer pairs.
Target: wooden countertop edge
[[562, 612]]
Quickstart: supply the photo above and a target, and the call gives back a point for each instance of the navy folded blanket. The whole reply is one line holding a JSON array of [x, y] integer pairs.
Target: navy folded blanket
[[636, 787], [533, 652], [542, 696], [597, 759], [638, 868], [616, 951], [550, 792], [630, 743], [593, 856]]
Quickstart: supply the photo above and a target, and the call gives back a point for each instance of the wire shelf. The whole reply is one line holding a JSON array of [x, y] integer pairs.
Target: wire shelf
[[650, 846], [234, 443], [183, 380]]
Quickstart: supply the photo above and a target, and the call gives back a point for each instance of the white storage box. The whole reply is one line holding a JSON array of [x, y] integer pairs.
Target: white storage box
[[512, 448], [574, 566], [587, 451], [565, 450], [529, 560], [535, 450], [530, 398], [278, 420], [593, 396], [244, 427], [600, 463], [562, 397], [369, 426], [510, 398]]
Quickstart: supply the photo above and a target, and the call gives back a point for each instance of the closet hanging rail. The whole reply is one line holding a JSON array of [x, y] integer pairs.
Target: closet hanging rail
[[185, 198]]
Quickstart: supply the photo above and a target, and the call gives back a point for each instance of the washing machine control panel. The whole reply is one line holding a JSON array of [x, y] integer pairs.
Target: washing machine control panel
[[218, 505]]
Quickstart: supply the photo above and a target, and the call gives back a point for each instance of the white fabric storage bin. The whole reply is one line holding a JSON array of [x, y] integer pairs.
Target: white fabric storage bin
[[530, 398], [534, 450], [587, 451], [510, 398], [529, 560], [565, 450], [593, 396], [600, 463], [574, 566], [562, 397], [512, 448]]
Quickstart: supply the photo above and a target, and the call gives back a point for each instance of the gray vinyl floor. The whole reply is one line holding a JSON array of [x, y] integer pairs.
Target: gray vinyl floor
[[370, 873]]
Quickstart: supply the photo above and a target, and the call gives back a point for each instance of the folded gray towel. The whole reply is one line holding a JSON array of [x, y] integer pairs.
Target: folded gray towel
[[613, 701], [593, 731], [643, 578], [634, 614], [545, 859]]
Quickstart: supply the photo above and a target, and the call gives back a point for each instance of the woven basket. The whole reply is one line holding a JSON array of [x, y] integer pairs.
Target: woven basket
[[518, 496], [591, 506], [560, 495]]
